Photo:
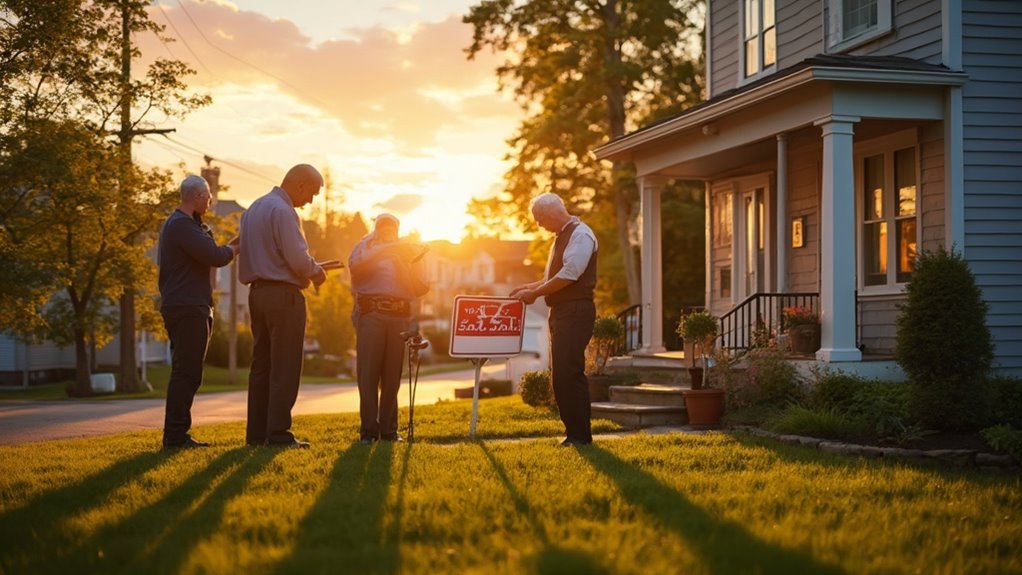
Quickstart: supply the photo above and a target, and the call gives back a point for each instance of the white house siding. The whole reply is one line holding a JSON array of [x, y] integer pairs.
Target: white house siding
[[804, 200], [799, 31], [992, 128], [916, 34], [932, 199], [725, 46], [878, 330]]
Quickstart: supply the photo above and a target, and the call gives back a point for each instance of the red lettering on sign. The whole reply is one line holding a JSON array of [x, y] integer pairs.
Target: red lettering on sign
[[488, 318]]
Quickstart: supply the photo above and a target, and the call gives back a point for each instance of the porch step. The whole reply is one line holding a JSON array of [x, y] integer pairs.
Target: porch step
[[666, 370], [648, 394], [638, 416]]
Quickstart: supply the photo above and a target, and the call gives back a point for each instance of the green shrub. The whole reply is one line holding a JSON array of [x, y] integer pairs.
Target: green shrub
[[1004, 400], [1004, 438], [883, 409], [535, 388], [835, 389], [943, 342], [813, 422], [769, 379], [324, 365]]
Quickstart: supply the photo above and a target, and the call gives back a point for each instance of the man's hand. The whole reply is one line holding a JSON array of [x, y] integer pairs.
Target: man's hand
[[527, 295], [319, 278]]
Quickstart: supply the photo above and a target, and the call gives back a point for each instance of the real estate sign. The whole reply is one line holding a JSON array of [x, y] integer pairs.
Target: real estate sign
[[486, 326]]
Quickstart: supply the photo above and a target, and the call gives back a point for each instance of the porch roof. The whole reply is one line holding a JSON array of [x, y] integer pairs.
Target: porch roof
[[824, 67]]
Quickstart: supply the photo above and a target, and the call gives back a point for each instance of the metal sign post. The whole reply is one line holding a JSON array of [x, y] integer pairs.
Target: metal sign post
[[483, 327]]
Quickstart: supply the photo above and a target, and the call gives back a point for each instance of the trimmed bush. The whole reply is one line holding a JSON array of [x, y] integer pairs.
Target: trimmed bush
[[943, 342], [535, 388], [1005, 439], [769, 378], [217, 353], [1004, 400], [835, 389]]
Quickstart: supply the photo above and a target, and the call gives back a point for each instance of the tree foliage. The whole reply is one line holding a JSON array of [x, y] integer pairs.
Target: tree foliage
[[76, 215], [585, 72]]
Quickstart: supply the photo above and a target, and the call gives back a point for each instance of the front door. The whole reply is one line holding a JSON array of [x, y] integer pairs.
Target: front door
[[753, 227]]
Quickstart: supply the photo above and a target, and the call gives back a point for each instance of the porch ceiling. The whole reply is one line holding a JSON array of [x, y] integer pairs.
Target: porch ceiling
[[726, 135]]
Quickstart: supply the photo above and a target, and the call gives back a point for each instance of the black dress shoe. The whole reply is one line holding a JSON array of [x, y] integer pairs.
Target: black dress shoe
[[293, 444], [186, 444], [569, 442]]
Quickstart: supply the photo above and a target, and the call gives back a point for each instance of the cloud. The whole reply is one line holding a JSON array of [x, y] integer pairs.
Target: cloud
[[401, 203], [382, 84]]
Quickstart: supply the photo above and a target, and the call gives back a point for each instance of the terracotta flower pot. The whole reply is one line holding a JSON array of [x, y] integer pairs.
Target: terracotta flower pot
[[804, 338], [704, 406]]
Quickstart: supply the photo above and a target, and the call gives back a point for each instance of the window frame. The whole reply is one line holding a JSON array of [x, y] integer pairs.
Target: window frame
[[888, 146], [835, 41], [761, 30]]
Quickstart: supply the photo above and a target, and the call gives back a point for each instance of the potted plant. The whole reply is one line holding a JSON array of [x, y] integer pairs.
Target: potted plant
[[607, 333], [704, 406], [803, 327]]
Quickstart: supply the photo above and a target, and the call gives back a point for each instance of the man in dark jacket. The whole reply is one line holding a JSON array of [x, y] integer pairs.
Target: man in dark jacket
[[187, 252], [568, 289]]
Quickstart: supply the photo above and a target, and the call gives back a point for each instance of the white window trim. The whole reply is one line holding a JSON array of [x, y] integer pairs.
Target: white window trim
[[898, 141], [742, 78], [885, 23]]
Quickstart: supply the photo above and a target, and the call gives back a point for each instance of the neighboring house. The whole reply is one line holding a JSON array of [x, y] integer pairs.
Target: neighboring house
[[839, 138]]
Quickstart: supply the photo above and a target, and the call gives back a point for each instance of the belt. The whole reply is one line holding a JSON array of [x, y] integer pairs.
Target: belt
[[268, 283], [384, 304]]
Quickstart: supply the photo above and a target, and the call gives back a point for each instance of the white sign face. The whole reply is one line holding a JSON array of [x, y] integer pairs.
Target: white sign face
[[485, 326]]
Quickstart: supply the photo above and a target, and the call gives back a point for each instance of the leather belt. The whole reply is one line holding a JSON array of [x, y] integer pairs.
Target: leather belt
[[384, 304], [269, 283]]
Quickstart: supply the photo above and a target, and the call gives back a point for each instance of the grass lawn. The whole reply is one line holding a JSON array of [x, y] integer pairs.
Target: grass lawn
[[214, 380], [713, 503]]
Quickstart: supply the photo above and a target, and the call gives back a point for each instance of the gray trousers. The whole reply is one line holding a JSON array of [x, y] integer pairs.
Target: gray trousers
[[278, 333], [380, 353]]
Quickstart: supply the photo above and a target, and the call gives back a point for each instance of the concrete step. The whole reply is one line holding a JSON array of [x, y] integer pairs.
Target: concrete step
[[638, 416], [648, 394]]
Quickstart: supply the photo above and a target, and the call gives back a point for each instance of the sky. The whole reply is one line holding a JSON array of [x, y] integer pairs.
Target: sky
[[377, 92]]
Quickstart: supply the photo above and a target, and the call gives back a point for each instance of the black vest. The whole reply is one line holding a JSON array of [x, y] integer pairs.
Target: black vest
[[584, 285]]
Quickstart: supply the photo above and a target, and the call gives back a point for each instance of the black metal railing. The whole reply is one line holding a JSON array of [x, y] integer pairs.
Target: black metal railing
[[631, 319], [761, 316]]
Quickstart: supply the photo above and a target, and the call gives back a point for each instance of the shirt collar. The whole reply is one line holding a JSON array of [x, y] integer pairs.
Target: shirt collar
[[570, 221], [280, 192]]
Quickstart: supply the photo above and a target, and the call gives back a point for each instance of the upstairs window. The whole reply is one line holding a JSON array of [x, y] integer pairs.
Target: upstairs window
[[854, 22], [759, 36], [889, 201]]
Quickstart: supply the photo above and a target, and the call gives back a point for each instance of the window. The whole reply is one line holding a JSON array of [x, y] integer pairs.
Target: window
[[722, 220], [759, 36], [889, 194], [853, 22], [724, 282]]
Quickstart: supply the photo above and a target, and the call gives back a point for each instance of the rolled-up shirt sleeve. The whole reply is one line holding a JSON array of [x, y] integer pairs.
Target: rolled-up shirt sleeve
[[577, 253], [294, 249]]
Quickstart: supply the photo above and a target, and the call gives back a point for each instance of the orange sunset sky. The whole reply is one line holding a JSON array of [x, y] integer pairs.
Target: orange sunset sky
[[378, 91]]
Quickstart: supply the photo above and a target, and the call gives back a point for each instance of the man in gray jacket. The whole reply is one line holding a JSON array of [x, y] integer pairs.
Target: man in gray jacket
[[186, 253]]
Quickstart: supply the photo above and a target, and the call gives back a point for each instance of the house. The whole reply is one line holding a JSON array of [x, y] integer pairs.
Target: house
[[837, 140]]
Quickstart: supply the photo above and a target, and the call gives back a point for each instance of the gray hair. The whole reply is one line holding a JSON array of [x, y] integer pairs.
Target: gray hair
[[548, 202], [193, 186]]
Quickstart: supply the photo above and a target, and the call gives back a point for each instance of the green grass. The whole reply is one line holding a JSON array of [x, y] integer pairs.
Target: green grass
[[711, 503]]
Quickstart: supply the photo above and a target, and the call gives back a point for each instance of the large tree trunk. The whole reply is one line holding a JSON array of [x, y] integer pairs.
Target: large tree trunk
[[128, 383], [82, 386]]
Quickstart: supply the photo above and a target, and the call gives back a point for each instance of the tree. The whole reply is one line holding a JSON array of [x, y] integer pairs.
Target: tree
[[330, 317], [586, 71], [65, 65]]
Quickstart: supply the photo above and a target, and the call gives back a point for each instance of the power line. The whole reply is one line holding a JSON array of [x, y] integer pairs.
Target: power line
[[182, 38], [222, 161], [321, 103]]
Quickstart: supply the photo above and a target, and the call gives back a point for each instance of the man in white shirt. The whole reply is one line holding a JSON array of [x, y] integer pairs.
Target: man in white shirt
[[568, 289]]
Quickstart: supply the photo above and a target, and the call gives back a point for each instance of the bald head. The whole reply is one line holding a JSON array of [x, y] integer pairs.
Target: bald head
[[302, 183]]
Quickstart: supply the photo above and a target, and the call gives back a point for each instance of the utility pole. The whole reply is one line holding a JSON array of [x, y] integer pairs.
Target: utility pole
[[129, 366]]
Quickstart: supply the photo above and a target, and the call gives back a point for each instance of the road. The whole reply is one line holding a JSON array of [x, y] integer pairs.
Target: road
[[28, 421]]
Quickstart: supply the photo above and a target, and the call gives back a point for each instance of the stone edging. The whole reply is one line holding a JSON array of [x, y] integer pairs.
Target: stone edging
[[952, 457]]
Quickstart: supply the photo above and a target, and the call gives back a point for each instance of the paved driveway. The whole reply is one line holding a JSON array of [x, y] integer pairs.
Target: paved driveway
[[25, 421]]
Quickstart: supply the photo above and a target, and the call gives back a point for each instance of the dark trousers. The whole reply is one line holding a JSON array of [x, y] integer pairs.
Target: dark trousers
[[189, 330], [380, 355], [571, 327], [278, 333]]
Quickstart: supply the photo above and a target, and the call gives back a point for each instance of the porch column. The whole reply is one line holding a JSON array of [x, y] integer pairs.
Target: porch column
[[652, 266], [782, 214], [837, 242]]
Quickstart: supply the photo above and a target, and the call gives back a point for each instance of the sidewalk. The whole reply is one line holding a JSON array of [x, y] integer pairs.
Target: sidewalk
[[27, 421]]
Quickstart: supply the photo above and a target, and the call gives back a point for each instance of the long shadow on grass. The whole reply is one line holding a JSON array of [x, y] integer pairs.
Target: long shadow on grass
[[157, 537], [22, 529], [551, 559], [723, 545], [343, 532]]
